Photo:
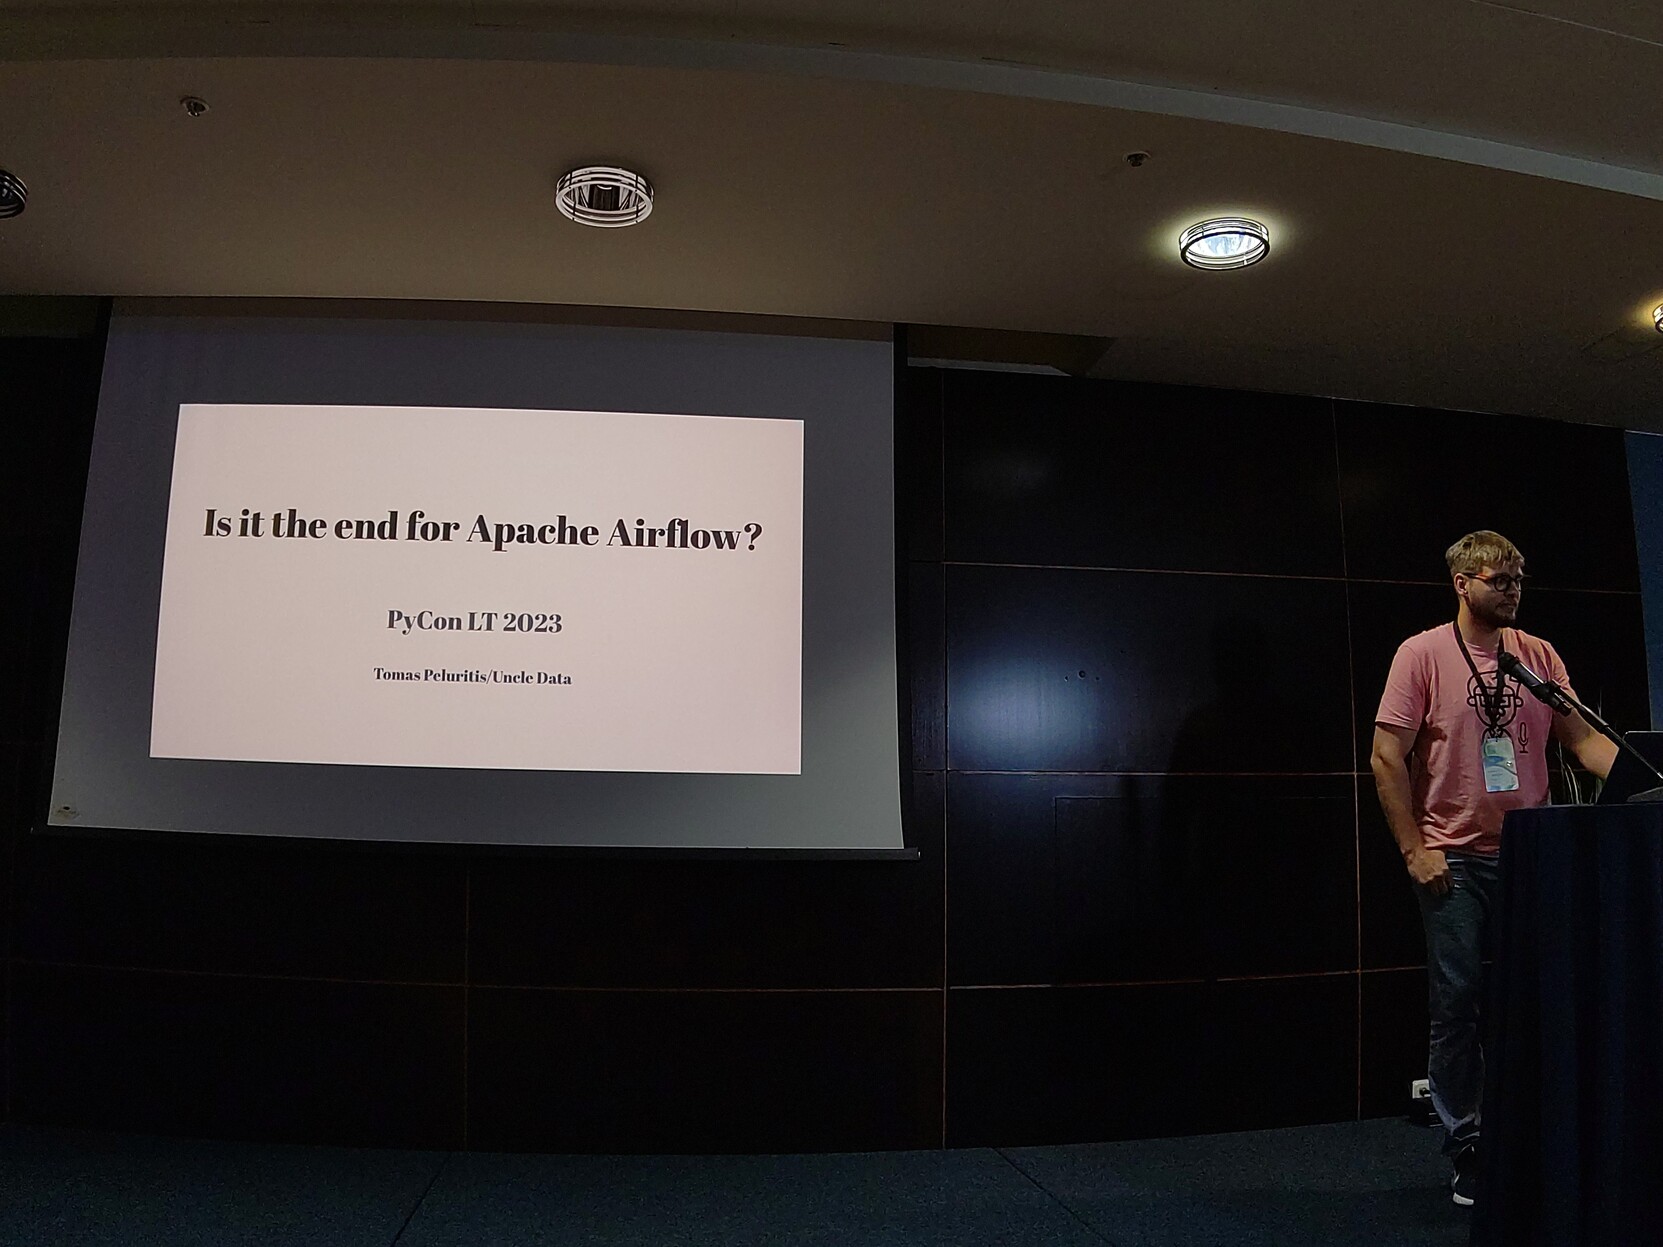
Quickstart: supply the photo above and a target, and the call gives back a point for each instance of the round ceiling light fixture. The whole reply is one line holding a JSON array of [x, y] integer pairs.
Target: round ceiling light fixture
[[14, 196], [1224, 242], [1657, 317], [604, 196]]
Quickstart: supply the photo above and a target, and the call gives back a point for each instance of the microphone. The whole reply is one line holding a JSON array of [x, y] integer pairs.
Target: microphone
[[1544, 691]]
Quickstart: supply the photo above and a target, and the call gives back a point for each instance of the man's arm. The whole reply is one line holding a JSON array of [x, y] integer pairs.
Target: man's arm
[[1390, 763], [1592, 750]]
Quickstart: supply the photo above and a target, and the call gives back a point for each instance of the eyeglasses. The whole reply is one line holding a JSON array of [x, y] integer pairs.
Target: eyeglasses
[[1501, 582]]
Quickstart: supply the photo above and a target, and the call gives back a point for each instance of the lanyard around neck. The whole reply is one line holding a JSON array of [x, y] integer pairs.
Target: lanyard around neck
[[1489, 699]]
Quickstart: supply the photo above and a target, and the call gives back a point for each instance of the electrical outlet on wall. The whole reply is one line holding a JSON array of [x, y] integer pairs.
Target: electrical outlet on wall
[[1420, 1103]]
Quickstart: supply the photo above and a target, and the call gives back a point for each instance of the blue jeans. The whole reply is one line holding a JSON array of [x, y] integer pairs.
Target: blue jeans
[[1458, 926]]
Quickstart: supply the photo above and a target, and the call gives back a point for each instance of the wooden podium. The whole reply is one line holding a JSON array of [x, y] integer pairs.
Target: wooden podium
[[1572, 1142]]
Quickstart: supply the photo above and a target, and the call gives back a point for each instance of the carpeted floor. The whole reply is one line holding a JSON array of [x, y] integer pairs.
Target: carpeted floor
[[1379, 1183]]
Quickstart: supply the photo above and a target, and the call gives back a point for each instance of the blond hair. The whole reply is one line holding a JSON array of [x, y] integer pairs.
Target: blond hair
[[1476, 551]]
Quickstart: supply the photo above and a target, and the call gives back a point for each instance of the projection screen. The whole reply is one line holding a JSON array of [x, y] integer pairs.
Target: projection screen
[[485, 582]]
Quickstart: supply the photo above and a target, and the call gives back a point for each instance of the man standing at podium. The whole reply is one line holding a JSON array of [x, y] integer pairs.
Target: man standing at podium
[[1457, 745]]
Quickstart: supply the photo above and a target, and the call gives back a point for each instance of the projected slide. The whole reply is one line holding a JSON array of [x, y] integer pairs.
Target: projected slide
[[482, 588]]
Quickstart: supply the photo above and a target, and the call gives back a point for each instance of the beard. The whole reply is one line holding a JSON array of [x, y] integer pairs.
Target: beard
[[1497, 614]]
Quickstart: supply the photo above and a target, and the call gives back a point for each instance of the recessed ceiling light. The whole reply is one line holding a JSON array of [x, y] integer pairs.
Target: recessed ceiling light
[[1657, 317], [604, 196], [14, 196], [1224, 242]]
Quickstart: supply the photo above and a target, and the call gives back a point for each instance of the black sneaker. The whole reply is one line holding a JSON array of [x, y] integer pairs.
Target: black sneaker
[[1463, 1186]]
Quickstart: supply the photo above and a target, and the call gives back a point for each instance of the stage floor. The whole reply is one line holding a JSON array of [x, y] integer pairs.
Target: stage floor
[[1379, 1183]]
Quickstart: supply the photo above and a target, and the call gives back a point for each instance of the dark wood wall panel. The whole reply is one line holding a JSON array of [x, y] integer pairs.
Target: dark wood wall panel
[[19, 570], [1113, 878], [1072, 670], [926, 662], [1389, 916], [15, 761], [1074, 1064], [1414, 480], [215, 904], [1062, 472], [919, 515], [1395, 1021], [229, 1056], [51, 389], [12, 765], [608, 922], [619, 1071], [1602, 638]]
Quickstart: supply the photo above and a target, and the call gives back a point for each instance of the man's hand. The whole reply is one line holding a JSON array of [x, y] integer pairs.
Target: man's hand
[[1430, 869], [1427, 867]]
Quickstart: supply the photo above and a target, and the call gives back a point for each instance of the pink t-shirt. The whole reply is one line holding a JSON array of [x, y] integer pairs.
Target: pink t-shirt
[[1431, 690]]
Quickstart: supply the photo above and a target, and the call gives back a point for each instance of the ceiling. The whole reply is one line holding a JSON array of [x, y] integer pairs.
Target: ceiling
[[1466, 198]]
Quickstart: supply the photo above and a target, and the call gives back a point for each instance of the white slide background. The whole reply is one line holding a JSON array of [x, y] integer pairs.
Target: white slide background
[[678, 660]]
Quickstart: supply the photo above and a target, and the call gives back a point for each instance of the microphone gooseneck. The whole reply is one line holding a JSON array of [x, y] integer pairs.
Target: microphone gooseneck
[[1544, 691]]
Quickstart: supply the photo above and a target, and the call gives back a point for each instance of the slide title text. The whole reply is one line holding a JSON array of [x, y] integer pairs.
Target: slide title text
[[675, 534]]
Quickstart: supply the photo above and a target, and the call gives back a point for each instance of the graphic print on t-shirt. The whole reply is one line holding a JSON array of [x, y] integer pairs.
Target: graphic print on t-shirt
[[1480, 692]]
